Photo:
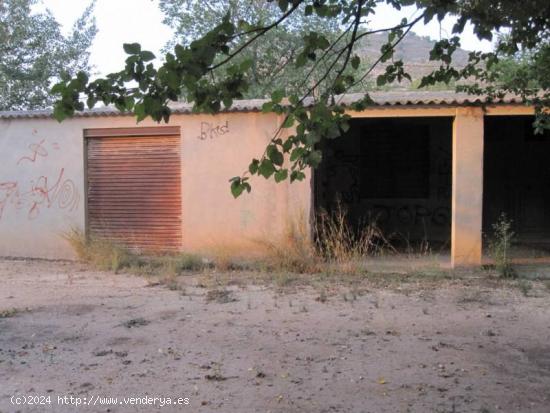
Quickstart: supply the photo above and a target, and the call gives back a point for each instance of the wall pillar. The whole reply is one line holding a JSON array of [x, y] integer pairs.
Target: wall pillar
[[467, 195]]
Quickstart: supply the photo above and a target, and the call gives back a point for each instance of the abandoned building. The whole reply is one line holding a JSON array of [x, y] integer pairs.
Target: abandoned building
[[436, 167]]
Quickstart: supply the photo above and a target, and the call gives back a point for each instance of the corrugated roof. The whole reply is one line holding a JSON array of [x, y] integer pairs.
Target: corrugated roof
[[395, 98]]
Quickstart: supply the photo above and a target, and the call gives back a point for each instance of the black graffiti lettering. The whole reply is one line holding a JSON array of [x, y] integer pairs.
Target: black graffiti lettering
[[408, 214], [441, 216], [421, 213], [382, 213], [209, 131], [404, 215]]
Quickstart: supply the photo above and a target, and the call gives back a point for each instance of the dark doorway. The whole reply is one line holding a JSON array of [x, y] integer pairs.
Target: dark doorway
[[517, 177], [396, 172]]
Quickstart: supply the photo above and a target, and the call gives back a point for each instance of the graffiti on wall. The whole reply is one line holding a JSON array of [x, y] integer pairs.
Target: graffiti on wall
[[341, 182], [42, 191], [412, 214], [211, 131]]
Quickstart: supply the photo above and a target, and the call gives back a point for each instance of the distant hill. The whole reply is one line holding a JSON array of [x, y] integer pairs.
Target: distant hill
[[414, 50]]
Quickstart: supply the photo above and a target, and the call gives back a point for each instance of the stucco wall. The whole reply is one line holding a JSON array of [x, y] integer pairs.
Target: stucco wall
[[42, 188], [216, 148]]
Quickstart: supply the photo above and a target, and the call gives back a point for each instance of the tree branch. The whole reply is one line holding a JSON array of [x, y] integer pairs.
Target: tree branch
[[325, 53], [353, 38], [373, 66], [262, 31]]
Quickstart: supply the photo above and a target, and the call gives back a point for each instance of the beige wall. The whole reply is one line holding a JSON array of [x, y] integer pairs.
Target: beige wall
[[212, 218], [467, 187], [42, 189], [41, 186]]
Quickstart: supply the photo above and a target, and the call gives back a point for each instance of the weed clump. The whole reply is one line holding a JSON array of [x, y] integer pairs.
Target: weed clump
[[500, 245], [293, 252], [343, 247], [108, 255], [329, 245], [10, 312], [101, 253], [220, 296]]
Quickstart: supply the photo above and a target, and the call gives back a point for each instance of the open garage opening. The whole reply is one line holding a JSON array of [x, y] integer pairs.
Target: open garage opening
[[517, 182], [394, 173]]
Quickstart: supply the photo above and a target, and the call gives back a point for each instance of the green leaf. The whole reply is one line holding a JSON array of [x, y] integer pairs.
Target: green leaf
[[227, 102], [90, 102], [267, 107], [139, 111], [297, 153], [253, 167], [322, 42], [82, 78], [58, 113], [287, 145], [131, 48], [57, 88], [266, 168], [180, 51], [147, 56], [246, 65], [355, 61], [281, 175], [314, 158], [289, 121], [344, 126], [277, 96], [301, 60], [236, 188], [274, 155], [297, 176], [239, 185], [283, 5]]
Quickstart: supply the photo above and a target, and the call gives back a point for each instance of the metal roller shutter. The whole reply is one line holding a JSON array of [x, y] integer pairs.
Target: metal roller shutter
[[134, 187]]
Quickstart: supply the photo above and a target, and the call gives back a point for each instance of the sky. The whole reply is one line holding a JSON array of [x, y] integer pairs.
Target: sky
[[128, 21]]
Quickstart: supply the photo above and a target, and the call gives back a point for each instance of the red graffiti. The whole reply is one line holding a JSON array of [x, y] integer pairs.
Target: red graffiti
[[41, 192], [61, 194], [8, 193], [37, 149]]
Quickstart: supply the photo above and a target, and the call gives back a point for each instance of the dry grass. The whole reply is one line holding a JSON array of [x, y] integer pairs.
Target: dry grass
[[293, 252], [334, 262], [224, 257], [110, 256], [339, 242], [101, 253], [220, 296], [339, 255], [338, 247]]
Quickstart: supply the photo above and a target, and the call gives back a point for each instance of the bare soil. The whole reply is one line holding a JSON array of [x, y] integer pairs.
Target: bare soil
[[450, 345]]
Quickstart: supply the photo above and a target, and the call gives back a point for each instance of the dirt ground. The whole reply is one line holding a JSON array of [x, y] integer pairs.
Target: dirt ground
[[445, 346]]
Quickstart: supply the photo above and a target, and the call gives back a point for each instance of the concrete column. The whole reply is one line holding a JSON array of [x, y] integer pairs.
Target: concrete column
[[467, 198]]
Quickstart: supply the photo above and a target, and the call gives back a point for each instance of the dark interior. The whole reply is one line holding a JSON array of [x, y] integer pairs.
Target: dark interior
[[396, 172], [517, 177]]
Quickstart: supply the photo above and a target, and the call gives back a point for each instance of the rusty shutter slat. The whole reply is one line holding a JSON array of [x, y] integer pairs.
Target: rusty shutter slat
[[134, 190]]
